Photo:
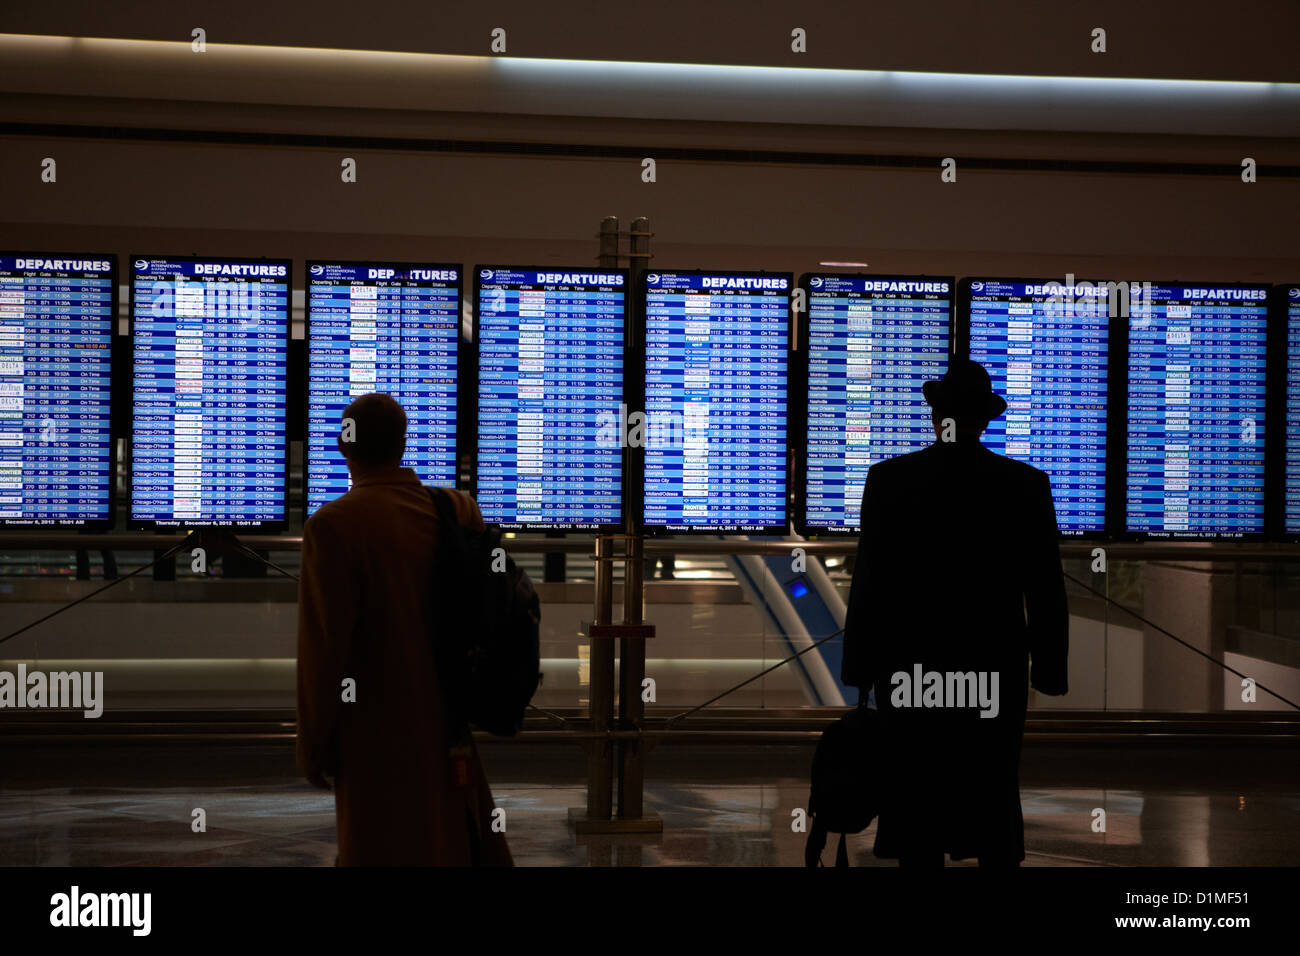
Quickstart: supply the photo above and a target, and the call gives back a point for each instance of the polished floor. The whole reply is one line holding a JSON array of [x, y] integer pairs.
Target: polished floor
[[133, 805]]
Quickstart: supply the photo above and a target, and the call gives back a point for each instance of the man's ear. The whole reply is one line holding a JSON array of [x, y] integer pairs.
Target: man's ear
[[341, 445]]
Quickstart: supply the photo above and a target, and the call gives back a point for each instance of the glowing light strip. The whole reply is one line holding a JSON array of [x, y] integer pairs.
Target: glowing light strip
[[654, 90]]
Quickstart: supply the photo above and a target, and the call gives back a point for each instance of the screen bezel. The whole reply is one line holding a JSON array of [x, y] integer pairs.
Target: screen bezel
[[1109, 447], [151, 524], [1278, 383], [476, 325], [656, 530], [368, 263], [799, 443], [1122, 532], [114, 375]]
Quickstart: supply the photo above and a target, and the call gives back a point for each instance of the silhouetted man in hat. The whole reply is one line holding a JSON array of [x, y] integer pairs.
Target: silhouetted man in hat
[[957, 606]]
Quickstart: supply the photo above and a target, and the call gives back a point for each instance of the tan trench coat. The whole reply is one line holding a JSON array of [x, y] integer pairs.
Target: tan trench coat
[[364, 612]]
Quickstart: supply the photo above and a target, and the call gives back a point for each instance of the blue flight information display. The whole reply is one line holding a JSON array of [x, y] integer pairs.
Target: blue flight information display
[[715, 401], [872, 342], [1045, 346], [56, 331], [1291, 515], [550, 389], [208, 443], [382, 327], [1196, 410]]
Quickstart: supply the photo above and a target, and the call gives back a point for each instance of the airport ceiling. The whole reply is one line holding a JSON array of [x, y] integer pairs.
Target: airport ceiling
[[1168, 39]]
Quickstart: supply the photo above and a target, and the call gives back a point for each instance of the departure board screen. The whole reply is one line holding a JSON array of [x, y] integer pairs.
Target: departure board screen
[[1045, 345], [382, 327], [56, 332], [550, 397], [715, 401], [872, 342], [209, 341], [1291, 511], [1196, 410]]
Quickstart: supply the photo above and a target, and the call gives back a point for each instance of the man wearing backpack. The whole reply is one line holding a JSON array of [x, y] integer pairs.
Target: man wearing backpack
[[409, 788], [957, 607]]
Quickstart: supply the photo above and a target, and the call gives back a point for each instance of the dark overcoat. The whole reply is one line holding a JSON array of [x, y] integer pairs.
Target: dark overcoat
[[365, 612], [958, 572]]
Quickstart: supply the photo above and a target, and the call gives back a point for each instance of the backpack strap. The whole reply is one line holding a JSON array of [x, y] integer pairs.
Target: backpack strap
[[446, 511], [447, 555], [443, 505]]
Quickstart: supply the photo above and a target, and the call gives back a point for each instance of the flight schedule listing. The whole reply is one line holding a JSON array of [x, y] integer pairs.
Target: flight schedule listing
[[550, 369], [1044, 344], [56, 327], [715, 401], [208, 436], [1196, 410], [872, 342], [1292, 508], [382, 327]]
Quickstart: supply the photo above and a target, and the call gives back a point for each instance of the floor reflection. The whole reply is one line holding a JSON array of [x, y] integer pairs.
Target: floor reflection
[[728, 810]]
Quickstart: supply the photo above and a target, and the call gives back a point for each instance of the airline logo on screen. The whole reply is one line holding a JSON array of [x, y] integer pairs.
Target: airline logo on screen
[[1295, 292]]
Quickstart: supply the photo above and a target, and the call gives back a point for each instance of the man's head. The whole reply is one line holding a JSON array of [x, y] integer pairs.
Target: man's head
[[963, 427], [373, 433], [965, 397]]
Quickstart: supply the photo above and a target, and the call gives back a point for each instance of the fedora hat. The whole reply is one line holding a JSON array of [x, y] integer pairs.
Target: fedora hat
[[965, 389]]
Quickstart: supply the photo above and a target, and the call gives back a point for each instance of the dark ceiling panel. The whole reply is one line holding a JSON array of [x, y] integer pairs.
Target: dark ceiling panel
[[1200, 39]]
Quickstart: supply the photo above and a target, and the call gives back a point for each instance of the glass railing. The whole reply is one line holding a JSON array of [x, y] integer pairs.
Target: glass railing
[[217, 641]]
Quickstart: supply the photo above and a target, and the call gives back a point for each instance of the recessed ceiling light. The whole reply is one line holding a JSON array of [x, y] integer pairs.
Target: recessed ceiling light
[[844, 265]]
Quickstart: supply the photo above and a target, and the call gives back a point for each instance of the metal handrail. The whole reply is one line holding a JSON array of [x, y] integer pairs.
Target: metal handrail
[[1070, 548]]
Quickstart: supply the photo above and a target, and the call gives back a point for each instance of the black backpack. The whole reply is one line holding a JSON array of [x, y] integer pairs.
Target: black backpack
[[486, 640], [844, 798]]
